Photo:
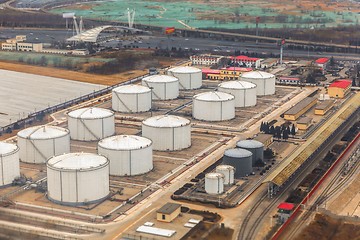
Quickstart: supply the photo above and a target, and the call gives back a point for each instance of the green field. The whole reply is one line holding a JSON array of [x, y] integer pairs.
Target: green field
[[196, 15]]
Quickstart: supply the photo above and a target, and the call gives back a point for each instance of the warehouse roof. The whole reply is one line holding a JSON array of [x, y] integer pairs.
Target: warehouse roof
[[324, 104], [168, 208], [344, 83], [300, 106], [210, 71], [244, 58], [286, 206], [304, 120], [263, 137], [322, 60]]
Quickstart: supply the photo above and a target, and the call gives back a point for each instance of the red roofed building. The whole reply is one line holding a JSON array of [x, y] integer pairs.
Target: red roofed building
[[339, 88], [248, 61], [322, 63], [284, 211]]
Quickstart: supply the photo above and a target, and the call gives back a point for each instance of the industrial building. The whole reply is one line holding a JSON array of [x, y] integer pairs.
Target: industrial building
[[9, 161], [39, 143], [168, 132], [284, 211], [246, 61], [339, 88], [168, 212], [131, 98], [77, 178], [214, 183], [265, 139], [322, 63], [90, 124], [189, 77], [205, 59], [19, 44], [163, 87], [265, 82], [304, 123], [229, 73], [240, 159], [255, 147], [300, 108], [244, 92], [222, 106], [324, 106], [129, 155]]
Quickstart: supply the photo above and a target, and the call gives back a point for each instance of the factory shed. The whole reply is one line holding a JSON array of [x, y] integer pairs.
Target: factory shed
[[304, 123], [168, 212], [265, 139], [324, 106], [300, 108], [339, 88]]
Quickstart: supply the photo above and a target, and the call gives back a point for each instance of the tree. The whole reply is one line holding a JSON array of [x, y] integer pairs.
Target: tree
[[272, 130], [285, 135], [277, 133], [293, 130], [262, 127]]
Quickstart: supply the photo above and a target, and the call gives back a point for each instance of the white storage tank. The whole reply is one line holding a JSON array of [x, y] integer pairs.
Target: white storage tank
[[128, 154], [189, 77], [214, 106], [228, 172], [77, 178], [168, 132], [163, 87], [9, 161], [89, 124], [244, 92], [39, 143], [265, 82], [131, 99], [214, 183], [240, 159], [255, 147]]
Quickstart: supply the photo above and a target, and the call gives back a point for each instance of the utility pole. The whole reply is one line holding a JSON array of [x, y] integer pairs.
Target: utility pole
[[282, 43], [257, 28]]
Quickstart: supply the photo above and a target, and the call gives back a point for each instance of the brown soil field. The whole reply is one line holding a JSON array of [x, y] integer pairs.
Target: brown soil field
[[324, 228]]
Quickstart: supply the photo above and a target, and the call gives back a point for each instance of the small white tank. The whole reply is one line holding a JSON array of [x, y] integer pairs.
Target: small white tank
[[163, 87], [214, 183], [91, 124], [265, 82], [131, 99], [9, 163], [189, 77], [244, 92], [228, 172], [39, 143]]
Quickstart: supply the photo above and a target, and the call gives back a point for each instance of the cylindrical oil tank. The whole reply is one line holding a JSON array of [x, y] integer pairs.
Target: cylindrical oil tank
[[77, 178], [189, 77], [240, 159], [89, 124], [255, 147], [128, 154], [265, 82], [228, 172], [214, 106], [163, 87], [39, 143], [9, 163], [131, 98], [168, 132], [214, 183], [244, 92]]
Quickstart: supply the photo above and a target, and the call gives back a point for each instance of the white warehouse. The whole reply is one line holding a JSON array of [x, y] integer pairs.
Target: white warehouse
[[39, 143], [189, 77], [77, 178], [244, 92], [265, 82], [90, 124], [163, 87], [214, 106], [129, 155], [131, 99], [168, 133], [9, 163]]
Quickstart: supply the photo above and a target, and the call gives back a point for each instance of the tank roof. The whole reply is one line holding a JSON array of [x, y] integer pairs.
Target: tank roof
[[225, 167], [249, 144], [132, 88], [160, 79], [214, 175], [6, 148], [43, 132], [91, 113], [237, 85], [257, 74], [166, 121], [184, 69], [77, 161], [214, 96], [125, 142], [237, 153]]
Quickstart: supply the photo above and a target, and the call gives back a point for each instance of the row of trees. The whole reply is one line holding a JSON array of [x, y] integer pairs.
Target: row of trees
[[279, 131]]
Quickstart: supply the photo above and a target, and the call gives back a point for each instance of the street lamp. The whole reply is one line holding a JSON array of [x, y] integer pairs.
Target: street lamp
[[151, 88]]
